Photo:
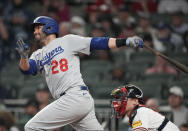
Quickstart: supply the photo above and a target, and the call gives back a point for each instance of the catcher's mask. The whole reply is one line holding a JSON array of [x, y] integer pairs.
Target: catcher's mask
[[121, 96]]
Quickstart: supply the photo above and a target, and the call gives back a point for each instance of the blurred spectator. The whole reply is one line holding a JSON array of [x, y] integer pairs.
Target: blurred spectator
[[128, 31], [106, 23], [4, 35], [91, 17], [97, 31], [109, 6], [3, 31], [2, 106], [92, 14], [118, 74], [57, 9], [36, 6], [43, 96], [18, 16], [104, 55], [4, 92], [78, 26], [161, 66], [31, 108], [144, 25], [9, 120], [184, 127], [170, 6], [145, 29], [185, 39], [179, 113], [2, 125], [168, 38], [52, 12], [123, 17], [152, 42], [64, 28], [153, 104], [45, 6], [178, 24], [62, 12], [144, 6]]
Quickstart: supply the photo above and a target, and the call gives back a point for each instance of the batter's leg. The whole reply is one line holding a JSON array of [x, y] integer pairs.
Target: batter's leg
[[88, 123], [71, 107]]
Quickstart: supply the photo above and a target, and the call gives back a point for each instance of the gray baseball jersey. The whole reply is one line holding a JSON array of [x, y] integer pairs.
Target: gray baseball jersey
[[59, 63]]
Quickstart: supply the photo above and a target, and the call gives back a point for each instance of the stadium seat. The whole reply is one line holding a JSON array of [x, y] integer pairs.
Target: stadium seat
[[119, 55], [150, 89], [27, 92], [156, 18], [136, 70], [102, 89], [179, 56], [143, 58], [11, 75], [94, 69], [159, 77]]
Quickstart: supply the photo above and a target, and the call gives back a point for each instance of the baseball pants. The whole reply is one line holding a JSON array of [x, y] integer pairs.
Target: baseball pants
[[76, 108]]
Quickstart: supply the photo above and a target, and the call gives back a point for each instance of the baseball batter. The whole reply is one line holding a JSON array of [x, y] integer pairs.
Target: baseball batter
[[140, 117], [59, 63]]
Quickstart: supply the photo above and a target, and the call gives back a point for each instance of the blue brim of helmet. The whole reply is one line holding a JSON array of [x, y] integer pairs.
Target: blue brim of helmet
[[33, 25]]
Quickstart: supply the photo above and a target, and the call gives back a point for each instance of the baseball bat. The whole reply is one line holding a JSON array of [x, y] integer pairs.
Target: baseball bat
[[175, 63]]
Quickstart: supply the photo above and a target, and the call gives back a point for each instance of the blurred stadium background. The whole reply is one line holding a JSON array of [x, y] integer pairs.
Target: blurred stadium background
[[161, 23]]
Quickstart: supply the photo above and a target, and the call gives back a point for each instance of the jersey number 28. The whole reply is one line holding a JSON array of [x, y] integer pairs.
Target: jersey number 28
[[63, 65]]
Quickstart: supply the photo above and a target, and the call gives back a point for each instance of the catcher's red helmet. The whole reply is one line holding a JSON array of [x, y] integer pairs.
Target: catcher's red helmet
[[121, 95]]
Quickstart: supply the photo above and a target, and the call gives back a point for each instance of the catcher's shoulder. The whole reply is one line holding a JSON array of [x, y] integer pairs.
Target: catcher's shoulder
[[143, 110]]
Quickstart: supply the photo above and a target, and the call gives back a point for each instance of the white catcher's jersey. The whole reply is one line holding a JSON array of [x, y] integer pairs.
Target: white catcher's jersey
[[59, 62], [150, 120]]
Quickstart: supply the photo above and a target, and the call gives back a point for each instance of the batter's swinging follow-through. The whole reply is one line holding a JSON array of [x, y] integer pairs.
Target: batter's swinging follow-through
[[59, 63]]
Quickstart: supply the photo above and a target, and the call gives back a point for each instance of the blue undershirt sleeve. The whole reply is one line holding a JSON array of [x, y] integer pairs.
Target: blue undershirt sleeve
[[32, 69], [99, 43]]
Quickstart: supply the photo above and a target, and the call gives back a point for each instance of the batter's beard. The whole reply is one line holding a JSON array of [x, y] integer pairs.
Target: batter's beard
[[38, 42], [41, 40]]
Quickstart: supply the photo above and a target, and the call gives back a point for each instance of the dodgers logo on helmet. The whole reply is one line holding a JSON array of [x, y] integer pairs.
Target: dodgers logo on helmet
[[50, 26]]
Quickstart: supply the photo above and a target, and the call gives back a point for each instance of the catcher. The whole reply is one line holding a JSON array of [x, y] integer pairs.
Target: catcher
[[128, 101]]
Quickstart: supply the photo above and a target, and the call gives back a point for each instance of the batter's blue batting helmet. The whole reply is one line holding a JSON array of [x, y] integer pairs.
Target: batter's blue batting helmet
[[50, 25]]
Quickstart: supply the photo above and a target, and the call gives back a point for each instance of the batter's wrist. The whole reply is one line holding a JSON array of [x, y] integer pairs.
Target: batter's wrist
[[24, 56], [121, 42]]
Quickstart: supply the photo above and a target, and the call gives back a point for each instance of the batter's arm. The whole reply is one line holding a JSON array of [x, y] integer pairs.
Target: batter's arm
[[112, 43], [24, 64], [27, 66]]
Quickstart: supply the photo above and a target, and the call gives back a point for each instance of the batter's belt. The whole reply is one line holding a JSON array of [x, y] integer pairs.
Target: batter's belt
[[81, 88]]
